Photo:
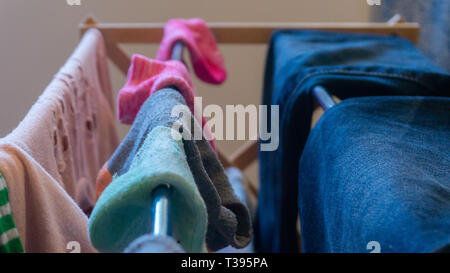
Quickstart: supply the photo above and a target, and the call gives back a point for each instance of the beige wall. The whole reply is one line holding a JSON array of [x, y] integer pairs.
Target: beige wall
[[37, 37]]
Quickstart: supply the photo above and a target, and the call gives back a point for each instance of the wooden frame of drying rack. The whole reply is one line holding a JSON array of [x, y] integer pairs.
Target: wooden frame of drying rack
[[234, 33]]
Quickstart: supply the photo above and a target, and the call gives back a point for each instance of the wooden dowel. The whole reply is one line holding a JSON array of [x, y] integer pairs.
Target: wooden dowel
[[223, 158], [248, 33], [245, 155], [118, 56]]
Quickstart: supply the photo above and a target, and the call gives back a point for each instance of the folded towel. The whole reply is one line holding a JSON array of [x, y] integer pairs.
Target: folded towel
[[228, 218], [122, 212], [205, 56]]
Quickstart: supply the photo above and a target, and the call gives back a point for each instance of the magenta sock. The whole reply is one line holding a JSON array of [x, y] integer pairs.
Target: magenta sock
[[205, 56]]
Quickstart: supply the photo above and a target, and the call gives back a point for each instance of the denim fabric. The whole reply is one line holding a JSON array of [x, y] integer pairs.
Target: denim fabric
[[348, 65], [377, 169]]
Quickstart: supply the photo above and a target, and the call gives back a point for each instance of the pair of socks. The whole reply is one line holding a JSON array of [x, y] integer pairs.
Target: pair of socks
[[146, 76], [228, 218]]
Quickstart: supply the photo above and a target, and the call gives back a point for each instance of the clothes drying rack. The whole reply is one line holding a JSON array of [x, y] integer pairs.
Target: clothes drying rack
[[228, 33], [160, 210]]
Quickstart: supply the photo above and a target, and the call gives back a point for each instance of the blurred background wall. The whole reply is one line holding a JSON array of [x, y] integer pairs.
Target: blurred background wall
[[434, 19], [38, 36]]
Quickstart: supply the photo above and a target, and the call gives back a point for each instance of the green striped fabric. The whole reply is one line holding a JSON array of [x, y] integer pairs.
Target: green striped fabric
[[9, 236]]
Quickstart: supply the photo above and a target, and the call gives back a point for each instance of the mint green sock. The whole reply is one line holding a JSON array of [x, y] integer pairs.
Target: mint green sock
[[122, 212]]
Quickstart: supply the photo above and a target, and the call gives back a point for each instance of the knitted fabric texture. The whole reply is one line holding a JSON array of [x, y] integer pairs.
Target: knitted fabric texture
[[145, 77], [228, 218], [205, 56], [122, 212]]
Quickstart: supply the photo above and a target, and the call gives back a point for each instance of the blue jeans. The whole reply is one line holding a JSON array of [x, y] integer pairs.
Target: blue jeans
[[377, 169], [348, 65]]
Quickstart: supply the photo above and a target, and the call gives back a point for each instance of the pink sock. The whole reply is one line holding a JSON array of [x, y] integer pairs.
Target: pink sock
[[145, 77], [205, 56]]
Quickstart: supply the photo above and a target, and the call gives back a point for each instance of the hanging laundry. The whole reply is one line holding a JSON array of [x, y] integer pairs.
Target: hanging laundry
[[147, 76], [162, 244], [228, 218], [237, 181], [9, 236], [122, 212], [377, 169], [50, 161], [349, 65], [230, 222], [205, 56]]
